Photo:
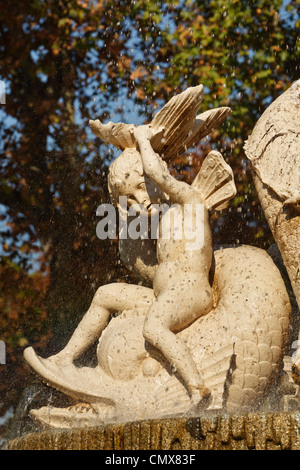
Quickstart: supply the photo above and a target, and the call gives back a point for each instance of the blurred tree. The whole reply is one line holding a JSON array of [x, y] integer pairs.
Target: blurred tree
[[54, 57], [66, 61]]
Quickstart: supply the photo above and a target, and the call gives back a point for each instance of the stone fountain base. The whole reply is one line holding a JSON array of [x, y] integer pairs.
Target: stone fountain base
[[251, 431]]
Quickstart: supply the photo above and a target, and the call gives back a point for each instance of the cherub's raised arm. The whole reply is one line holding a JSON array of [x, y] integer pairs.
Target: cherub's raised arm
[[178, 191]]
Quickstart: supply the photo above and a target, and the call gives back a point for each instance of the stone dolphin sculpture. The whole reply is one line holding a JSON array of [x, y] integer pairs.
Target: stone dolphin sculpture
[[238, 347]]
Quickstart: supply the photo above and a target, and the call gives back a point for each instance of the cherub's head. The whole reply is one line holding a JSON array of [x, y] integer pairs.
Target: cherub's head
[[126, 177]]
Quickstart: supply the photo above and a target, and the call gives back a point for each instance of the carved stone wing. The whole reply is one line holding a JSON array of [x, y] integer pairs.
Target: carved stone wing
[[176, 127], [215, 182]]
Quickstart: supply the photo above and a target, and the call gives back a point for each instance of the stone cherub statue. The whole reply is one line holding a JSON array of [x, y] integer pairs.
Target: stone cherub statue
[[215, 323], [181, 282]]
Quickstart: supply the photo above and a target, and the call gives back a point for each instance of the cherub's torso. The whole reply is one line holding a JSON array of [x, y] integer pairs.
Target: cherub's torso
[[184, 245]]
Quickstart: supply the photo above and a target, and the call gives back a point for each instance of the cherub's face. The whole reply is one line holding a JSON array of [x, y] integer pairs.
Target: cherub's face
[[139, 189]]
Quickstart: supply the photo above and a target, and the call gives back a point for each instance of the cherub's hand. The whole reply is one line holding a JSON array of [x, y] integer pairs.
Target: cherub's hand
[[143, 133]]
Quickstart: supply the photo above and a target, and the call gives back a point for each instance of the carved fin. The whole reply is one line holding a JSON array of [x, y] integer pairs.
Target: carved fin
[[176, 118], [205, 123], [176, 127], [118, 134], [176, 108], [215, 182]]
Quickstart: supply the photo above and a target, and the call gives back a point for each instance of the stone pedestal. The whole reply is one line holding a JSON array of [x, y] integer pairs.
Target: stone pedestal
[[252, 431]]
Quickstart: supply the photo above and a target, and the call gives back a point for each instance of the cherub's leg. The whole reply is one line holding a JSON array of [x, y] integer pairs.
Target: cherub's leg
[[110, 298], [172, 311]]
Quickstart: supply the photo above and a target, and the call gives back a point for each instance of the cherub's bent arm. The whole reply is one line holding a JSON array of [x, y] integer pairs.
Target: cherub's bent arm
[[178, 191]]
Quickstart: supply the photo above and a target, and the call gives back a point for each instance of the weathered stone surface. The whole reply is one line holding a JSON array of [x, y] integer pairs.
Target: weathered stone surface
[[273, 149]]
